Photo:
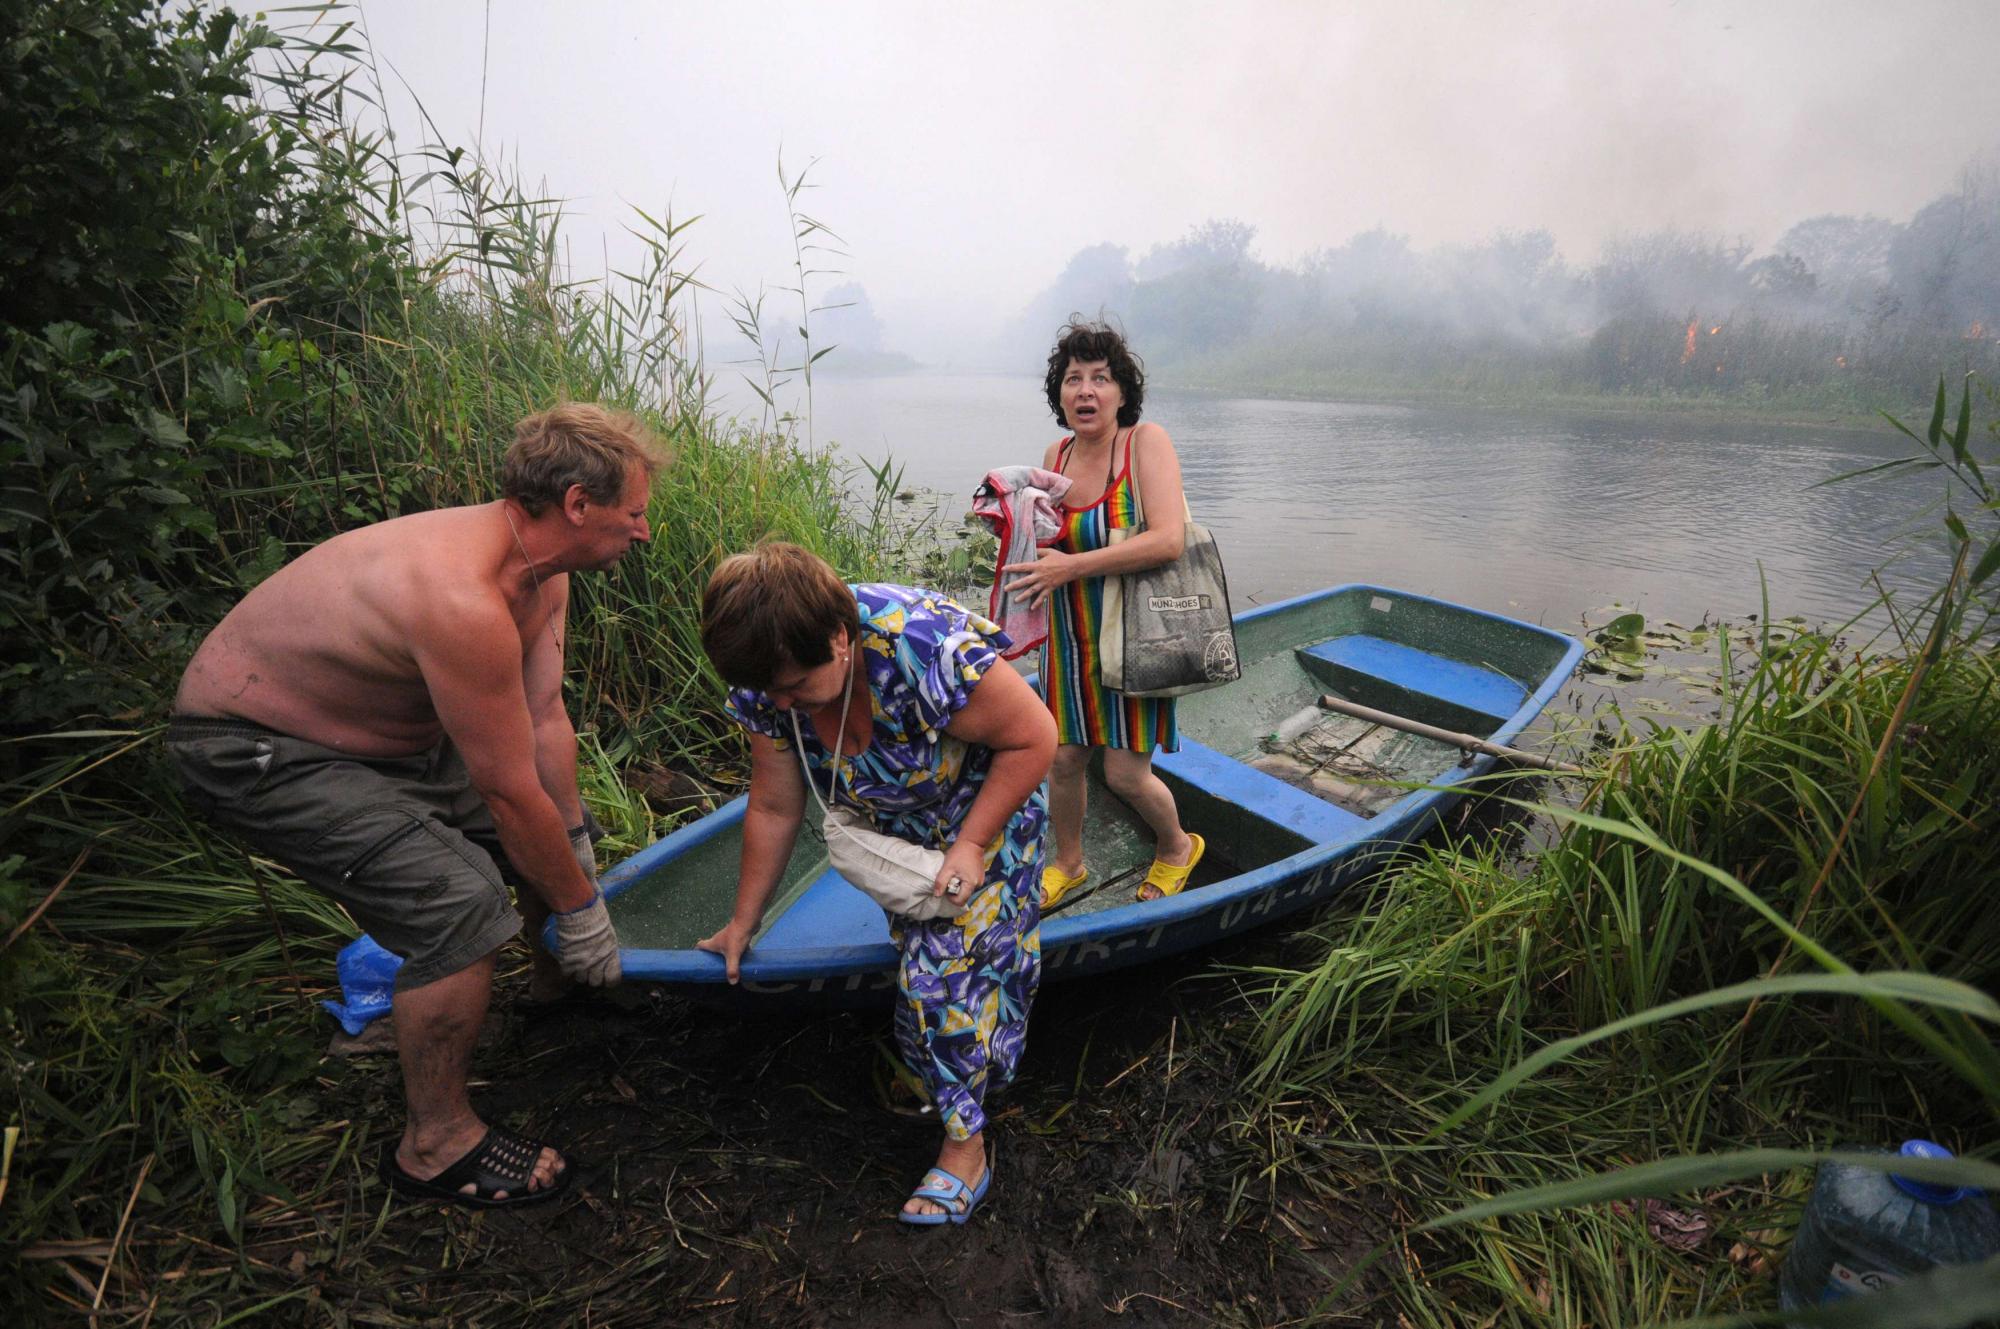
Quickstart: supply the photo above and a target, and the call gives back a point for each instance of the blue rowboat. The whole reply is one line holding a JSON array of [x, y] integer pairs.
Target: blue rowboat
[[1294, 801]]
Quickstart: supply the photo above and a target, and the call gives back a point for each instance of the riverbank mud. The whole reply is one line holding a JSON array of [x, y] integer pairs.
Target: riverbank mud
[[747, 1171]]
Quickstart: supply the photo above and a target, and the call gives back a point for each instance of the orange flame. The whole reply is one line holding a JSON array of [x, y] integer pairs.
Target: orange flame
[[1688, 354], [1976, 332], [1840, 360], [1717, 328]]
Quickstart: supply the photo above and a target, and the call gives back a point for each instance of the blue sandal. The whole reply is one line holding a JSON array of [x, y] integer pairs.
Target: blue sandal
[[941, 1187]]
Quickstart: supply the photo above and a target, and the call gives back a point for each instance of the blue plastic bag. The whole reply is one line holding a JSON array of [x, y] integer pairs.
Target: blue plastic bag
[[367, 978]]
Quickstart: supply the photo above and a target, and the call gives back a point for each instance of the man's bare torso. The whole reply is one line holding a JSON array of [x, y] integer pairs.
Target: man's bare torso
[[324, 649]]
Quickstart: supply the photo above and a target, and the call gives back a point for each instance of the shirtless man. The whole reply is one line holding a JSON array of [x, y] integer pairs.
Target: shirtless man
[[384, 717]]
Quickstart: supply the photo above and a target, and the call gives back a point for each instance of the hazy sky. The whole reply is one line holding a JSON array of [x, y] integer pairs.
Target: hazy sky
[[966, 151]]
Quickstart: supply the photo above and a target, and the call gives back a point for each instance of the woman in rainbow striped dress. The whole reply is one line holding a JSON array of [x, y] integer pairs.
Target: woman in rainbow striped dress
[[1096, 387]]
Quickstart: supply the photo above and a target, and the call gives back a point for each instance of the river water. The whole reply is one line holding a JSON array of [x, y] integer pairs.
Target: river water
[[1540, 516]]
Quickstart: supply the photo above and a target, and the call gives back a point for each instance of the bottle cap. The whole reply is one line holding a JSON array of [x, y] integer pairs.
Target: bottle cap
[[1930, 1192]]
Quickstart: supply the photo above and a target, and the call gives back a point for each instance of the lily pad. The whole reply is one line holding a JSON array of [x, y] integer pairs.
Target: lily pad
[[1611, 667], [1624, 628], [1626, 625]]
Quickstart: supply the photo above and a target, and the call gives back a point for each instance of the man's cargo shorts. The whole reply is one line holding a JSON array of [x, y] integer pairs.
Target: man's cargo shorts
[[405, 843]]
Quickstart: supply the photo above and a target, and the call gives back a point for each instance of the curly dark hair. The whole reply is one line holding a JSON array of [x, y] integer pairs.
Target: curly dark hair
[[1087, 343]]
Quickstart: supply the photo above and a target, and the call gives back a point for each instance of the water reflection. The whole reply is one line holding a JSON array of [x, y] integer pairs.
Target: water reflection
[[1543, 517]]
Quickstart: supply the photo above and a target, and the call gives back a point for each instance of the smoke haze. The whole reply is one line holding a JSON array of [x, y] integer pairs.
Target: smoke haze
[[967, 155]]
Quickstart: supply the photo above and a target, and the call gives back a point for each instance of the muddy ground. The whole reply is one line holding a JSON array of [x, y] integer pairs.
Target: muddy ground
[[746, 1170]]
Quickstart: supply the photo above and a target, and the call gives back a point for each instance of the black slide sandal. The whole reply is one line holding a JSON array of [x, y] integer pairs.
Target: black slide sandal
[[501, 1161]]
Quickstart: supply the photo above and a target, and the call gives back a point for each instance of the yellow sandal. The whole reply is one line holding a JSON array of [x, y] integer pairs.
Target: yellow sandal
[[1168, 878], [1056, 884]]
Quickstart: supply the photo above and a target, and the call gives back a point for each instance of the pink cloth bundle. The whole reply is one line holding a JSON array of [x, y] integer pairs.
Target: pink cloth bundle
[[1023, 505]]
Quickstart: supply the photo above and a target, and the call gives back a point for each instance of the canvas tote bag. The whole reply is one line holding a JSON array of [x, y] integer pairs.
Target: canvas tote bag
[[1168, 630], [889, 870]]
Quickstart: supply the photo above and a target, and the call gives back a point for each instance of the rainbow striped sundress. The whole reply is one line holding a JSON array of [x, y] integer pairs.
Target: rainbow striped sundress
[[1087, 712]]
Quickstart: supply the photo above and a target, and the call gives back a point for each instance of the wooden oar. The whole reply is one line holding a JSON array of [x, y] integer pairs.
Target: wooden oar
[[1466, 741]]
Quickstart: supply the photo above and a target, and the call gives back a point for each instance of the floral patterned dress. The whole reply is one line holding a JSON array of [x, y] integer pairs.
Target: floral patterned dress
[[966, 982]]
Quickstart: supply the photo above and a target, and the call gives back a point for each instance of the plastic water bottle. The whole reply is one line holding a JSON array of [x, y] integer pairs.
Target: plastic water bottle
[[1865, 1230]]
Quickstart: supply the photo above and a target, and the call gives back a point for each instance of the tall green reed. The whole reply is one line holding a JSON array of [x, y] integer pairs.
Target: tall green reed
[[344, 341], [1767, 932]]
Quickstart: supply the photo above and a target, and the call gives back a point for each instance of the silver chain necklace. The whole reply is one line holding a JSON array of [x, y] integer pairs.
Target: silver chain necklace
[[549, 616]]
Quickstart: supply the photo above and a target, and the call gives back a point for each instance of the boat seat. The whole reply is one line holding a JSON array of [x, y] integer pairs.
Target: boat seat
[[1464, 685], [1264, 796]]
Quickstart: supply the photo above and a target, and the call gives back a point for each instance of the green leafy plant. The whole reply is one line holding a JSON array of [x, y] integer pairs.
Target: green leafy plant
[[250, 342]]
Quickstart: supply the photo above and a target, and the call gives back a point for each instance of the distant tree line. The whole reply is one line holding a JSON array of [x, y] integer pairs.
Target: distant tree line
[[1842, 309], [846, 321]]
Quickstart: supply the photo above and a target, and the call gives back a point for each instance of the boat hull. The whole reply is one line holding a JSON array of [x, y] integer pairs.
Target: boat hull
[[1089, 955], [1287, 832]]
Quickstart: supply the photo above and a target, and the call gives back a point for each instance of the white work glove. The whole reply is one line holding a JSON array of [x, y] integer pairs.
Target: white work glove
[[586, 945]]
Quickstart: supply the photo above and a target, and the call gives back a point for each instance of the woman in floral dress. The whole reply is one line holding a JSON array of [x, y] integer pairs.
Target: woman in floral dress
[[941, 744]]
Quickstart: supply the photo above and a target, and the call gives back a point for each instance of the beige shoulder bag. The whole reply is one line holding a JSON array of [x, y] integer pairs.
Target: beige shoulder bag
[[1167, 630], [891, 871]]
